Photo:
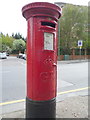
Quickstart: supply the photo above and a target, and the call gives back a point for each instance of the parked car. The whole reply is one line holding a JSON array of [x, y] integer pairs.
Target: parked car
[[7, 54], [19, 55], [24, 56], [3, 55]]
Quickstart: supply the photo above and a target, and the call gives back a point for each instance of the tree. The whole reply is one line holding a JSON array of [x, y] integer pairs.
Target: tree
[[0, 43], [18, 36], [73, 25], [19, 45], [6, 43], [9, 44]]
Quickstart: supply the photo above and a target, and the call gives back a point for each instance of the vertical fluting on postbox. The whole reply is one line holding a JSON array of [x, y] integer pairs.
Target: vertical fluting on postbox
[[42, 26]]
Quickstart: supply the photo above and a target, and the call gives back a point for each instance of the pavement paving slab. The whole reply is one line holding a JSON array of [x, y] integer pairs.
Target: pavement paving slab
[[72, 61], [72, 107]]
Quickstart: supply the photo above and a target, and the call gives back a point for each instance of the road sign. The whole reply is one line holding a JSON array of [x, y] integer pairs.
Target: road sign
[[80, 42]]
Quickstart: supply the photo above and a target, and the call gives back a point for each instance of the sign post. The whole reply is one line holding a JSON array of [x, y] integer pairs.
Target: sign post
[[80, 43]]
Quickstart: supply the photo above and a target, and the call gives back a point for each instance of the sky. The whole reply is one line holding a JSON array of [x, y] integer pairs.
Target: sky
[[11, 19]]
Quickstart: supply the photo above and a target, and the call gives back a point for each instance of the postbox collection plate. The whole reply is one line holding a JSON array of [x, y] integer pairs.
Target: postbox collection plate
[[48, 41]]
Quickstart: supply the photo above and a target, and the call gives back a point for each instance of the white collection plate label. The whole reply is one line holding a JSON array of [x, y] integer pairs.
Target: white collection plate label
[[48, 41]]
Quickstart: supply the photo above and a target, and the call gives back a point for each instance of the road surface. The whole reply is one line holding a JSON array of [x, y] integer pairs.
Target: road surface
[[70, 76]]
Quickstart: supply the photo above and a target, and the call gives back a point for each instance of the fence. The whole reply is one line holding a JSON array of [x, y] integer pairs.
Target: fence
[[74, 54]]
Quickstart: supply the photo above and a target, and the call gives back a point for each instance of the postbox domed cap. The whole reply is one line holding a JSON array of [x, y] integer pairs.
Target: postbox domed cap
[[41, 9]]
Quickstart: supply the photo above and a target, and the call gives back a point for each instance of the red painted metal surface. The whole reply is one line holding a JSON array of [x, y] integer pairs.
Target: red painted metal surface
[[41, 63]]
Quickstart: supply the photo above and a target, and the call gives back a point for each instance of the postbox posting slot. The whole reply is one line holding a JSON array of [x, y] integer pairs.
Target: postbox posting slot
[[44, 23]]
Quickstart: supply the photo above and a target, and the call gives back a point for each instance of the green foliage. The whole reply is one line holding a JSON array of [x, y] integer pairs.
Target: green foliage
[[18, 36], [19, 45], [73, 26], [10, 44], [6, 43], [0, 43]]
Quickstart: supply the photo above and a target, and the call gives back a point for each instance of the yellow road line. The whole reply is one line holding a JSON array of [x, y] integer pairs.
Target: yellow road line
[[65, 92], [75, 90], [11, 102]]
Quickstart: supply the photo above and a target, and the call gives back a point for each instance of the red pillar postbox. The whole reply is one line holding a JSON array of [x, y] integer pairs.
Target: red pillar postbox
[[42, 29]]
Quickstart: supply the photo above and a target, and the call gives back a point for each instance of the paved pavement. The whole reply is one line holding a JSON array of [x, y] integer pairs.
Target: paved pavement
[[72, 107], [72, 61]]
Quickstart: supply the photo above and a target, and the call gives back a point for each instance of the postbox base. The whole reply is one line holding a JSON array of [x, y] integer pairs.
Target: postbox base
[[41, 109]]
